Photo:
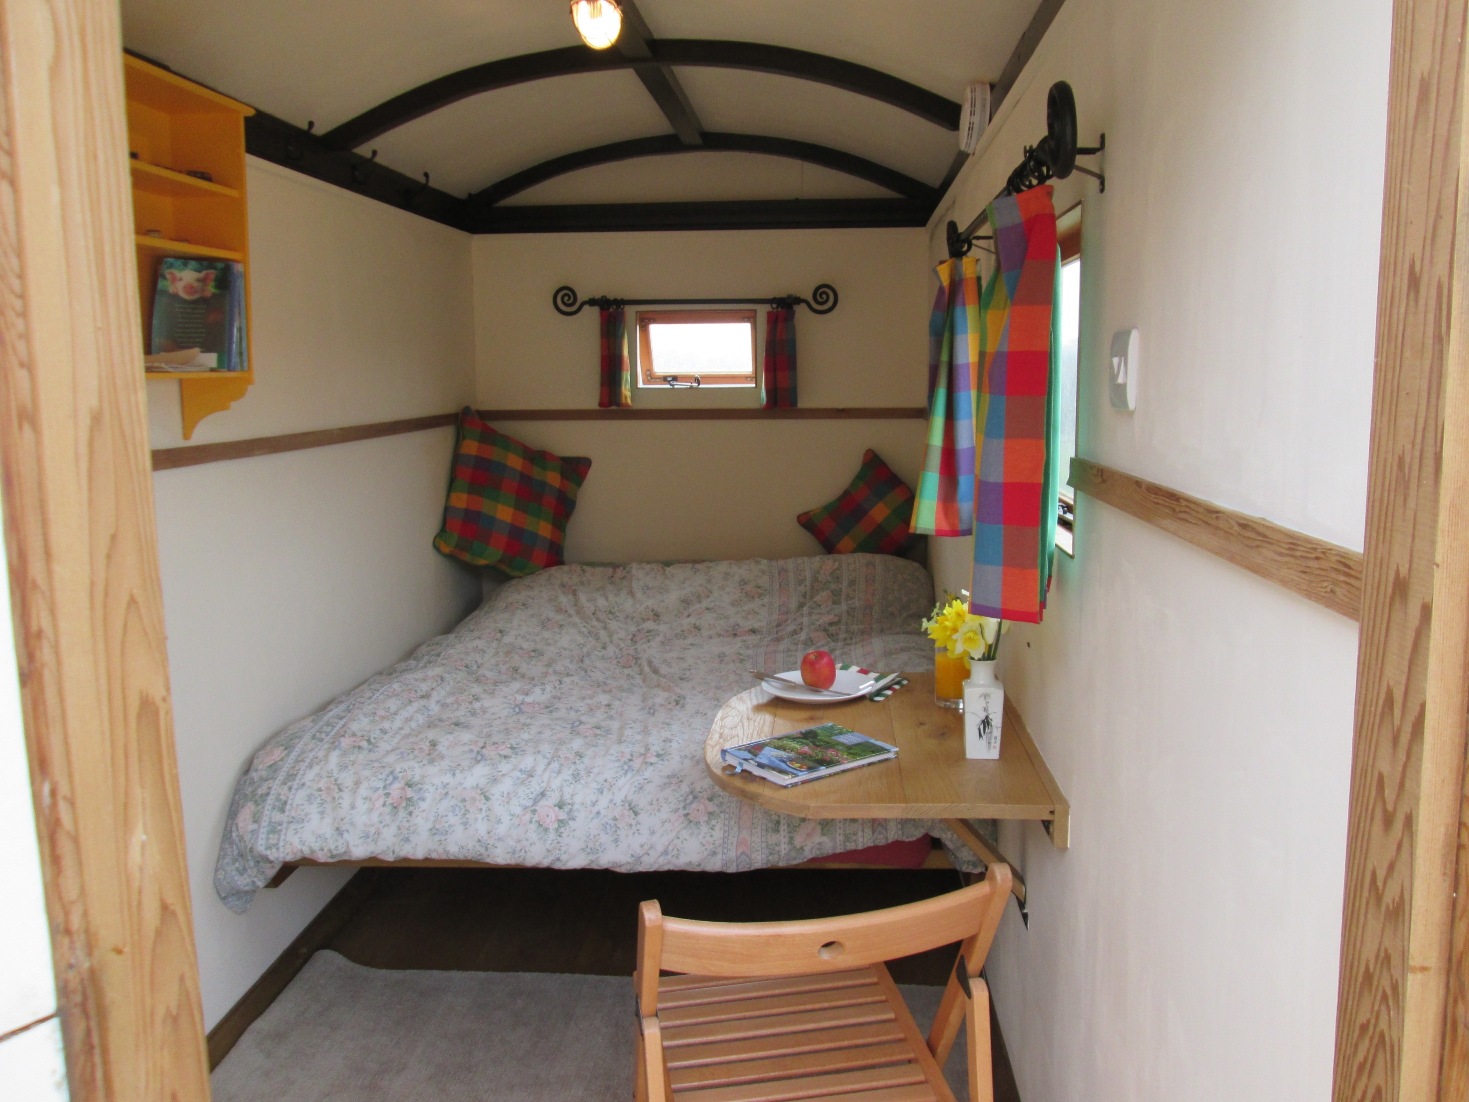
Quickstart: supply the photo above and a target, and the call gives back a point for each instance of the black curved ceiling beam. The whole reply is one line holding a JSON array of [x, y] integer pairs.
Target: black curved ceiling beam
[[665, 144], [784, 61], [573, 60]]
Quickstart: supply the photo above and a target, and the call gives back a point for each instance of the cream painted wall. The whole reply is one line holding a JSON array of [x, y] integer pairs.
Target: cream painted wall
[[1199, 719], [288, 579], [707, 489], [359, 313]]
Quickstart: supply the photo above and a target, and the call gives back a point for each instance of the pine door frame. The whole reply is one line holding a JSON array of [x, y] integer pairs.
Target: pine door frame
[[81, 541]]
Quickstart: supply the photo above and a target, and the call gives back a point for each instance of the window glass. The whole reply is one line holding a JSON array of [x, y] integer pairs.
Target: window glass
[[1069, 324], [696, 348]]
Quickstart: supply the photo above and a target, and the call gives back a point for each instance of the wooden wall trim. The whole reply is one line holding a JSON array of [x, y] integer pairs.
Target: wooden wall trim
[[80, 532], [165, 459], [1320, 571], [1395, 1040], [831, 413], [319, 932]]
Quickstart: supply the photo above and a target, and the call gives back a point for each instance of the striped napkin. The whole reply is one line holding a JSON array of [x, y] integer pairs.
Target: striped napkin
[[883, 691]]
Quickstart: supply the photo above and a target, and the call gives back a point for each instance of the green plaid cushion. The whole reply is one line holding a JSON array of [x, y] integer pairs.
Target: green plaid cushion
[[508, 504], [872, 514]]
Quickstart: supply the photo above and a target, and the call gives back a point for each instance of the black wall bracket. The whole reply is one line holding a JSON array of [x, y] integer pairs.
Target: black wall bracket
[[1051, 158]]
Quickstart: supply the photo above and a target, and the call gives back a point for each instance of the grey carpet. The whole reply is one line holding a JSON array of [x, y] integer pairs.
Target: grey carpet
[[341, 1031]]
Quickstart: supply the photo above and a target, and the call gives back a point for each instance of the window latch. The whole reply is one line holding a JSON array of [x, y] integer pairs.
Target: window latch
[[677, 383]]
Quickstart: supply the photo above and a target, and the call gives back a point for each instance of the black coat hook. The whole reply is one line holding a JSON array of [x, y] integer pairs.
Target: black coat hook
[[296, 151], [360, 169], [413, 194]]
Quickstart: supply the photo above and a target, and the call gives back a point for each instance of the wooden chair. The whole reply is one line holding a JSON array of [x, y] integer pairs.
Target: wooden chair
[[765, 1011]]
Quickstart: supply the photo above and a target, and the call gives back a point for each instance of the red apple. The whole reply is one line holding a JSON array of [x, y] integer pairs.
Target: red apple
[[818, 669]]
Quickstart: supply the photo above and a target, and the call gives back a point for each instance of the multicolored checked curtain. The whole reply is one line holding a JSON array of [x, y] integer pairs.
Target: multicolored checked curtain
[[1015, 471], [616, 377], [944, 504], [778, 371]]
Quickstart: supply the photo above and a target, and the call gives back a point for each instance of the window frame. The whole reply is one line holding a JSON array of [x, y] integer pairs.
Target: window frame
[[648, 374]]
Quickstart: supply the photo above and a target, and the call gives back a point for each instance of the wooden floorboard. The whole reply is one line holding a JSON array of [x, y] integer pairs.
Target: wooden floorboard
[[585, 921]]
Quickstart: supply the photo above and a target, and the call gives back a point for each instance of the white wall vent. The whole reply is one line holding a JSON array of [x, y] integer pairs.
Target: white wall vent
[[974, 115]]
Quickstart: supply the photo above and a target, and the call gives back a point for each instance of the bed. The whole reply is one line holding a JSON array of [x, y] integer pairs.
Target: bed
[[562, 723]]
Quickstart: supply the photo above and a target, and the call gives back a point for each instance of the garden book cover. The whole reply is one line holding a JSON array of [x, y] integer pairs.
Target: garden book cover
[[198, 307], [807, 754]]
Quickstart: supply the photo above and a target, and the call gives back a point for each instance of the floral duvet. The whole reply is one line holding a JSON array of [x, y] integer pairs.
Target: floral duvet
[[562, 725]]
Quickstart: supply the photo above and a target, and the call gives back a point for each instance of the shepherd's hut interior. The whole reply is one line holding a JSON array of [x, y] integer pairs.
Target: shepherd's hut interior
[[467, 464]]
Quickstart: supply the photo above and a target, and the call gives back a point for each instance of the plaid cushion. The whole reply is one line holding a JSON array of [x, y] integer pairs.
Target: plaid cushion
[[508, 504], [872, 514]]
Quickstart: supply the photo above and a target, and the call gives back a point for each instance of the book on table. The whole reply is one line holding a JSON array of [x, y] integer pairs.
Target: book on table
[[808, 754]]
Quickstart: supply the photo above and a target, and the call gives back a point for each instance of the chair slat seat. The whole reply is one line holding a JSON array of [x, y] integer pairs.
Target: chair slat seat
[[787, 1061], [784, 1043], [842, 1085], [775, 1025], [774, 1001], [693, 990]]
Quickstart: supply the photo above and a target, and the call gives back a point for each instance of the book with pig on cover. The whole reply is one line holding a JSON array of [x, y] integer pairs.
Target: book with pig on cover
[[808, 754]]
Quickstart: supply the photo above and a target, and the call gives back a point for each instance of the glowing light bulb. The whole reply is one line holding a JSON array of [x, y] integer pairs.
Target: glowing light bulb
[[599, 22]]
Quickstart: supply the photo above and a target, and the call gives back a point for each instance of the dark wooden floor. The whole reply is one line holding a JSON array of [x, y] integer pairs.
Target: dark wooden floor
[[543, 920]]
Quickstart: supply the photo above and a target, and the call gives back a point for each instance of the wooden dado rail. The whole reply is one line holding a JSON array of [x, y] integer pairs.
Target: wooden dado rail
[[194, 454], [1317, 570]]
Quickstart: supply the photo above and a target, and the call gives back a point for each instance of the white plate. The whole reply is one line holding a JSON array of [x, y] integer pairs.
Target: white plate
[[849, 684]]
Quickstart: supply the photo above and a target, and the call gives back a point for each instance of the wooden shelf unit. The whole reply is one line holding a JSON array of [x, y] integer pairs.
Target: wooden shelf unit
[[176, 127]]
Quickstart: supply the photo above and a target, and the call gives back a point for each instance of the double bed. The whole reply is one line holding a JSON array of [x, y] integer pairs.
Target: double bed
[[562, 723]]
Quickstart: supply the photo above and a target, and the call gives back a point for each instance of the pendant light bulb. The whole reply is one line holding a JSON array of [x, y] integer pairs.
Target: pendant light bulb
[[599, 22]]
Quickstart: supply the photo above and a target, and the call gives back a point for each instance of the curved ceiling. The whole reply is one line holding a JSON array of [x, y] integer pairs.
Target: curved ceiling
[[851, 103]]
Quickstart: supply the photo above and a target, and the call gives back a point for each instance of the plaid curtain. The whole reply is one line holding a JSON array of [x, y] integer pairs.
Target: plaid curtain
[[778, 372], [1016, 479], [944, 504], [616, 389]]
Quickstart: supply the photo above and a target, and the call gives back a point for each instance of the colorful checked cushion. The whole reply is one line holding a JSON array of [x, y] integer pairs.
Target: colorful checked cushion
[[508, 504], [872, 514]]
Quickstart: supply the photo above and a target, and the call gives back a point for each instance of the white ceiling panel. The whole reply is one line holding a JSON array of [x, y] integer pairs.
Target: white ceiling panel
[[941, 45], [784, 107], [475, 142], [330, 60], [698, 177]]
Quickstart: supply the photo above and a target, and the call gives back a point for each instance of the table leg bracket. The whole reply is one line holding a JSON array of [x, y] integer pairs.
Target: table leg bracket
[[991, 855]]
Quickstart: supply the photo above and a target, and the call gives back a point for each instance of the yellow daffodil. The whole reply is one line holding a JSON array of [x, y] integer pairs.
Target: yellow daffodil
[[952, 626]]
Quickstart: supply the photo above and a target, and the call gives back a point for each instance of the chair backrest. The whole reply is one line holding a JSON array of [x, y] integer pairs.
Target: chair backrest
[[733, 949]]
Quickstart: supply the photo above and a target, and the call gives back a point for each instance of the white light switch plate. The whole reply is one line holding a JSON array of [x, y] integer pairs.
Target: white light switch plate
[[1122, 370]]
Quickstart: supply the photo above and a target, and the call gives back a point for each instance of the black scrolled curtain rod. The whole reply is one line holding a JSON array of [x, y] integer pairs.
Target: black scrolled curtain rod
[[1051, 158], [823, 301]]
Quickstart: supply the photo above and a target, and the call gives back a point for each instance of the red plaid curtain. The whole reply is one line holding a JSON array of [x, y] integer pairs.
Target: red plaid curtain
[[778, 372], [616, 387]]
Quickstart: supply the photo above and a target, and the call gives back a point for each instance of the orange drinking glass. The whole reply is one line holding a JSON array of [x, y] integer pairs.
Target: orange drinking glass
[[948, 678]]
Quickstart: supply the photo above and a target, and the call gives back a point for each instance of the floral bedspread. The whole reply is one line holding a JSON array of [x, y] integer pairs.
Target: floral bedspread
[[562, 725]]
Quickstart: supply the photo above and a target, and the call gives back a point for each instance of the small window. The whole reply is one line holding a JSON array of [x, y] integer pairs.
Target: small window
[[696, 348], [1069, 324]]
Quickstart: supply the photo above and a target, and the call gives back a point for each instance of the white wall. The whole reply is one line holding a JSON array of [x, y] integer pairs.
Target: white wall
[[288, 579], [707, 489], [1198, 718]]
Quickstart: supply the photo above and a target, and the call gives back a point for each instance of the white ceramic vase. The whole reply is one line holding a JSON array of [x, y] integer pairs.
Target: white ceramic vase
[[984, 709]]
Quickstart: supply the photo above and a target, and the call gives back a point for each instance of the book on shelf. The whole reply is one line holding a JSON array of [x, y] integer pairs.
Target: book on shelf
[[807, 755], [198, 316]]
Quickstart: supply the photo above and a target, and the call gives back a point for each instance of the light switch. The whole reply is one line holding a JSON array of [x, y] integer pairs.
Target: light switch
[[1122, 370]]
